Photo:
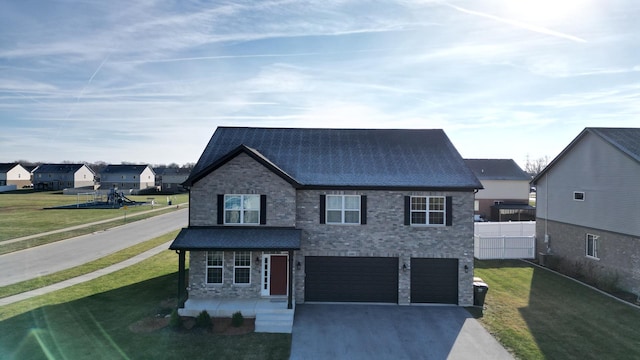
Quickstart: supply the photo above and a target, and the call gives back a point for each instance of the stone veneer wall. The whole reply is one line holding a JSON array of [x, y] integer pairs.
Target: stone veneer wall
[[618, 253], [385, 235]]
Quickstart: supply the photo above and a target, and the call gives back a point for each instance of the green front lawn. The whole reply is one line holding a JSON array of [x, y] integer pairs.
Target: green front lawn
[[22, 213], [91, 321], [537, 314]]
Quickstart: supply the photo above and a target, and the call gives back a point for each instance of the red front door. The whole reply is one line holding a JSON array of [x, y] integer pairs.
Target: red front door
[[278, 275]]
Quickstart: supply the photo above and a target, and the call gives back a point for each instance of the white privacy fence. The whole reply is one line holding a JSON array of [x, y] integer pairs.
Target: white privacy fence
[[506, 240]]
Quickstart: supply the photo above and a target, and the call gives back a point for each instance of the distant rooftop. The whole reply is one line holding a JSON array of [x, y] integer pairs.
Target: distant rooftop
[[497, 169]]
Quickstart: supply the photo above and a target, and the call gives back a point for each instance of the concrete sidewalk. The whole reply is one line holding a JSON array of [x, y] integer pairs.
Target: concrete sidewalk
[[86, 277]]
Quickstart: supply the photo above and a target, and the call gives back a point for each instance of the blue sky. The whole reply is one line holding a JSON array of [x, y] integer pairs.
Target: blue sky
[[149, 81]]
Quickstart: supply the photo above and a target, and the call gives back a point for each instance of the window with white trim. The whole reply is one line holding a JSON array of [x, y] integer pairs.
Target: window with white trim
[[578, 195], [343, 209], [242, 267], [428, 210], [592, 246], [242, 209], [215, 260]]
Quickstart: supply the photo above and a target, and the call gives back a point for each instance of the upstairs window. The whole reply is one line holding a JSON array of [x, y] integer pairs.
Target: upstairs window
[[343, 209], [578, 195], [242, 209], [592, 246], [428, 210]]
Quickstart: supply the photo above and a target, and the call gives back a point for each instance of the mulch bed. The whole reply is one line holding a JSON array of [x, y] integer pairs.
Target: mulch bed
[[221, 326]]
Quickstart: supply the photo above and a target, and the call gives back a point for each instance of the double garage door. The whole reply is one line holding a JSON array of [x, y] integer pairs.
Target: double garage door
[[375, 279]]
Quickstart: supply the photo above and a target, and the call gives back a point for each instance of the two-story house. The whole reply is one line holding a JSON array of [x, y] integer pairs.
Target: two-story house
[[505, 196], [170, 179], [63, 176], [588, 206], [329, 215], [14, 174], [129, 178]]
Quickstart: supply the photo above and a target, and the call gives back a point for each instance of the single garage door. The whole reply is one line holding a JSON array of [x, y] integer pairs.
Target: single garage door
[[434, 281], [351, 279]]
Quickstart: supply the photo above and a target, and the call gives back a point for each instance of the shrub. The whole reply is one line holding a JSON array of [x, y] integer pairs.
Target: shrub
[[237, 319], [203, 320], [175, 321]]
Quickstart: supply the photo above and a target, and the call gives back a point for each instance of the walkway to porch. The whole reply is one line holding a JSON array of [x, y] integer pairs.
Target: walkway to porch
[[271, 315]]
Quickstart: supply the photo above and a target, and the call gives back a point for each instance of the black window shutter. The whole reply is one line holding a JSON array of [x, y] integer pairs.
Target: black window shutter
[[407, 210], [322, 209], [363, 209], [263, 209], [220, 209], [449, 210]]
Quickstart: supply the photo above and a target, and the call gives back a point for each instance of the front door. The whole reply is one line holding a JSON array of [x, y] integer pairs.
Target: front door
[[278, 275], [274, 275]]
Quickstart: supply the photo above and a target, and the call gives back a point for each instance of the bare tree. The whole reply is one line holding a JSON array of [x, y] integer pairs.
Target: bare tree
[[535, 166]]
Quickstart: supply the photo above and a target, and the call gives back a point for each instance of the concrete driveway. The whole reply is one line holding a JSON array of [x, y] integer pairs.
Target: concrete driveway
[[345, 331]]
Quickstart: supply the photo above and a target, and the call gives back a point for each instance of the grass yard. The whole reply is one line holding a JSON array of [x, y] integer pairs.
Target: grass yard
[[537, 314], [91, 321], [22, 212]]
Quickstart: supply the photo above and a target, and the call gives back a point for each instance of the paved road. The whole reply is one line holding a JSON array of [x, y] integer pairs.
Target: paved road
[[345, 331], [47, 259]]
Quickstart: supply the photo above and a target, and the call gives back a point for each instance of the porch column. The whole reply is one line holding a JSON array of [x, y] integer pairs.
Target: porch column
[[182, 296], [290, 297]]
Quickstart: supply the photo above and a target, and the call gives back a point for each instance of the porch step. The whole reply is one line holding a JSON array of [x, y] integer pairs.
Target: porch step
[[274, 321]]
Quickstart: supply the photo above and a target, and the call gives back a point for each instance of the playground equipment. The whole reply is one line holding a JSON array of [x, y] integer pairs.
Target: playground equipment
[[118, 199]]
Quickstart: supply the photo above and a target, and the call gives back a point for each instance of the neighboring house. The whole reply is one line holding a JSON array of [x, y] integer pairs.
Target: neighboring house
[[169, 179], [505, 196], [329, 215], [588, 206], [63, 176], [14, 174], [130, 178]]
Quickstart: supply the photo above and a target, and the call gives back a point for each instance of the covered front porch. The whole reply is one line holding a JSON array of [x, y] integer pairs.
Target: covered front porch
[[246, 269]]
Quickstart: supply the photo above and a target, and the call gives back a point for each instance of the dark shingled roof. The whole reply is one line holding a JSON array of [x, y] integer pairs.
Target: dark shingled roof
[[344, 157], [237, 238], [125, 169], [59, 168], [497, 169], [5, 167], [627, 140]]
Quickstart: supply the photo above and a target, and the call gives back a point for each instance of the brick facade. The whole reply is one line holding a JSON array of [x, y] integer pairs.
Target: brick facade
[[384, 235], [618, 254]]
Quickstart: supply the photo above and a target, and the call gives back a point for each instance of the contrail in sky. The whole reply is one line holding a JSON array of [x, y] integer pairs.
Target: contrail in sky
[[519, 24]]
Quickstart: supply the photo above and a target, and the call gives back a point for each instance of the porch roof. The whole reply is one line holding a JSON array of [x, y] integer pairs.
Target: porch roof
[[237, 238]]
